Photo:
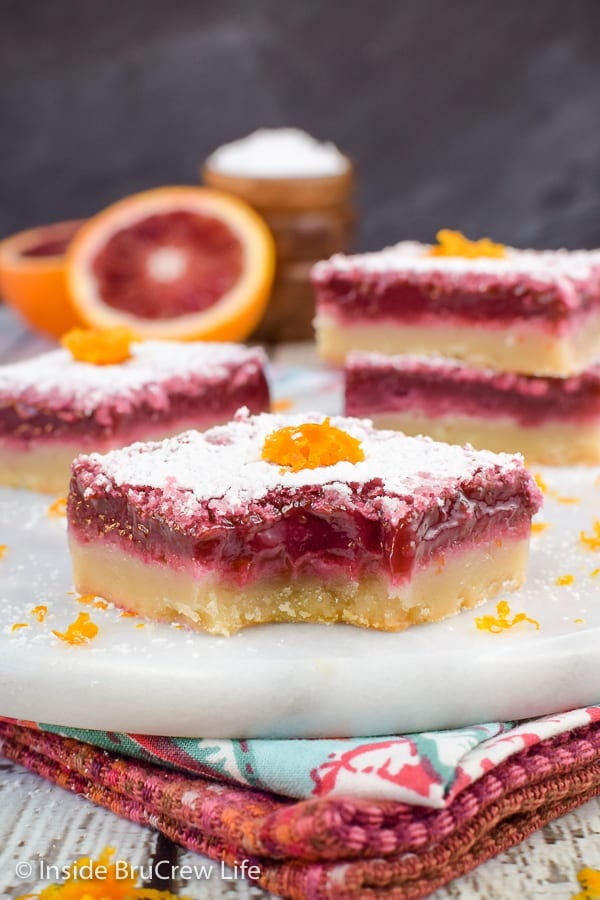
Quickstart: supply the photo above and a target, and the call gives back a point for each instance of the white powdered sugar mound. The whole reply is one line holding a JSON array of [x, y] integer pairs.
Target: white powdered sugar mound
[[58, 375], [224, 464], [412, 257], [278, 153]]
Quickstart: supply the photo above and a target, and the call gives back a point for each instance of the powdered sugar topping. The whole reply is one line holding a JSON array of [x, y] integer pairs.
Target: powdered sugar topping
[[411, 257], [60, 379], [223, 466], [278, 153]]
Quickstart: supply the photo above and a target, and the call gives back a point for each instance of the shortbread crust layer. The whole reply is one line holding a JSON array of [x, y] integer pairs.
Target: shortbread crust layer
[[527, 350], [449, 583]]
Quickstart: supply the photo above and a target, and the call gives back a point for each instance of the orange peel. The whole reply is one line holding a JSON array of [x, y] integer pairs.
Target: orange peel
[[101, 348], [80, 631], [501, 622], [454, 243], [310, 446], [33, 277]]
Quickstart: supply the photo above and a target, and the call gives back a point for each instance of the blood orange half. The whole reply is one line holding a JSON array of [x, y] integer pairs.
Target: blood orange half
[[32, 276], [176, 262]]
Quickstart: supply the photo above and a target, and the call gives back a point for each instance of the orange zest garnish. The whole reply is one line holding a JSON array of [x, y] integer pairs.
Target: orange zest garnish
[[90, 600], [101, 348], [589, 879], [539, 527], [592, 541], [128, 614], [3, 549], [310, 446], [58, 509], [594, 573], [39, 612], [577, 621], [18, 625], [454, 243], [500, 622], [545, 489], [563, 580], [100, 879], [80, 631]]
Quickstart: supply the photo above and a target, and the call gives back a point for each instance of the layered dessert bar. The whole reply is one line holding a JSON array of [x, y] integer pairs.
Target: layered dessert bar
[[299, 518], [55, 406], [551, 421], [535, 312]]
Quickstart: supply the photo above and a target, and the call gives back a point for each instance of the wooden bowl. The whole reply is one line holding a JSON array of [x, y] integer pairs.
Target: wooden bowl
[[311, 234], [285, 193]]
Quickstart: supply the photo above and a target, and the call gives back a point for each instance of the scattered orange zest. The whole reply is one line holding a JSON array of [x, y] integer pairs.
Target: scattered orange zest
[[310, 446], [80, 631], [545, 489], [101, 348], [578, 621], [90, 600], [589, 879], [58, 509], [100, 879], [19, 625], [140, 625], [128, 614], [594, 573], [564, 580], [539, 527], [592, 541], [496, 624], [3, 549], [282, 405], [39, 612], [454, 243]]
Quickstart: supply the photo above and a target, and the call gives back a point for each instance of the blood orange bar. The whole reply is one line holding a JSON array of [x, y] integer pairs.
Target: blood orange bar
[[551, 421], [53, 407], [202, 529], [535, 312]]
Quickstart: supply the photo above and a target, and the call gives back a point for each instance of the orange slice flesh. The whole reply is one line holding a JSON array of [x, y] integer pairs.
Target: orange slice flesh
[[182, 263], [32, 276]]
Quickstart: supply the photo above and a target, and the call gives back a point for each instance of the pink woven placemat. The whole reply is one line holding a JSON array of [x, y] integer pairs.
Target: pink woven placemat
[[330, 847]]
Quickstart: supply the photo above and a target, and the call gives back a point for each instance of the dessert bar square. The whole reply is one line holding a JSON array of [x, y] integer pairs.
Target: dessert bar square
[[220, 531], [53, 407], [534, 312], [551, 421]]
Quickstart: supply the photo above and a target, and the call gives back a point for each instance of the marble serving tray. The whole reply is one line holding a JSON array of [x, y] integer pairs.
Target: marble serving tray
[[299, 680]]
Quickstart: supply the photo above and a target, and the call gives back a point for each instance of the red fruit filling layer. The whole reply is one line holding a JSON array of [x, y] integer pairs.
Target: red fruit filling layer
[[377, 384], [301, 533], [356, 296], [205, 261], [195, 399]]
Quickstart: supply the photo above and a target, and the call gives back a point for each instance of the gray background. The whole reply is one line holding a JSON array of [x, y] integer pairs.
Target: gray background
[[477, 114]]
